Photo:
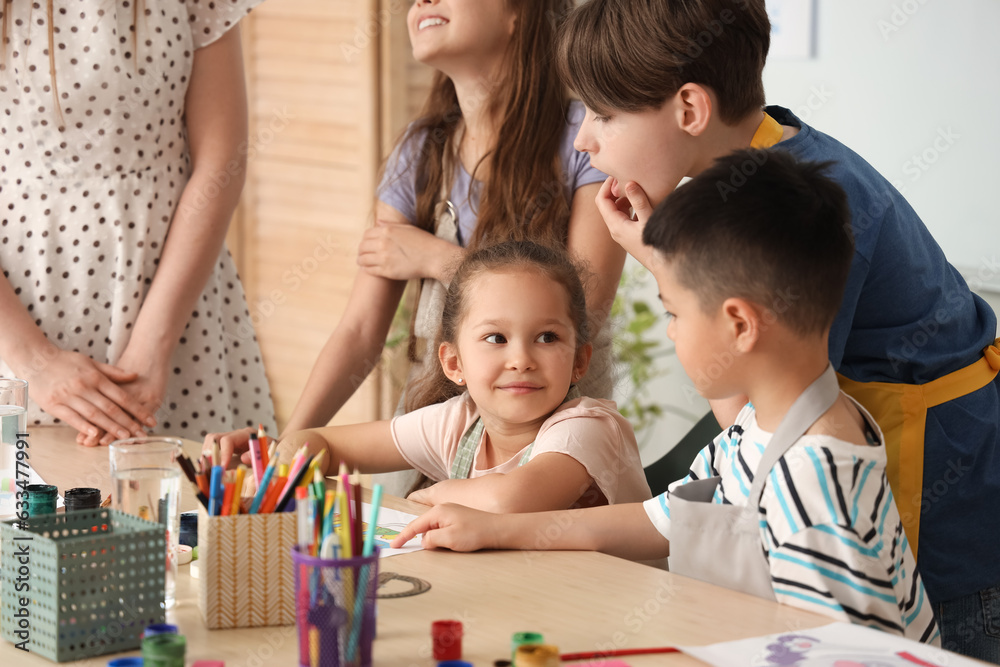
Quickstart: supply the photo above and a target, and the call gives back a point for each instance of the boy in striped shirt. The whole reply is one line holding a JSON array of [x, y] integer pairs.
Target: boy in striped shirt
[[752, 278]]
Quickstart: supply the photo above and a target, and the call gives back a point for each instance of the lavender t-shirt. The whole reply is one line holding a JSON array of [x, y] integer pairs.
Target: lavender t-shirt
[[398, 186]]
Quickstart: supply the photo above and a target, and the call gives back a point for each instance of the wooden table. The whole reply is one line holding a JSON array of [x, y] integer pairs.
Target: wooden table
[[580, 601]]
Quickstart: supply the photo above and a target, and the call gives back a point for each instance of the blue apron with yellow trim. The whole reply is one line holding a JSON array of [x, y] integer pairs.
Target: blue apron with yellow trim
[[901, 409]]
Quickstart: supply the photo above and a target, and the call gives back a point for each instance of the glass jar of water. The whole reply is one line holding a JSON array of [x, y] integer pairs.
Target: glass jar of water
[[13, 422]]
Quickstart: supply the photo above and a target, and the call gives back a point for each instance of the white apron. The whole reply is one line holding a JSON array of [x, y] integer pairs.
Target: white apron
[[721, 544]]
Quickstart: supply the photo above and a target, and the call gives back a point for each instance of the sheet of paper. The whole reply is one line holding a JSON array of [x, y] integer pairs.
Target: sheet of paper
[[390, 523], [834, 645]]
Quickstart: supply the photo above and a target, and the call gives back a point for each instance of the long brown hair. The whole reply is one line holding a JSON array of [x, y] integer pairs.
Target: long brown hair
[[509, 256], [5, 40], [523, 195]]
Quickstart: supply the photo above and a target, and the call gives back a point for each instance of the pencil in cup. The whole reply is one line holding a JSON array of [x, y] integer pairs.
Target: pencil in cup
[[339, 617]]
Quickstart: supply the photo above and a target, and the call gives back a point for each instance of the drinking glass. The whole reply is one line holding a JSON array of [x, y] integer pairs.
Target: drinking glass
[[146, 482], [13, 421]]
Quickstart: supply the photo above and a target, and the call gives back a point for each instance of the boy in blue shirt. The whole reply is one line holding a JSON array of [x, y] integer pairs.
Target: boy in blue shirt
[[669, 87], [791, 502]]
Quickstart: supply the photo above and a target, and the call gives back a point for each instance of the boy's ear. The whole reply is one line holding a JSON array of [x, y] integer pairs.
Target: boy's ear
[[582, 362], [743, 322], [451, 363], [694, 108]]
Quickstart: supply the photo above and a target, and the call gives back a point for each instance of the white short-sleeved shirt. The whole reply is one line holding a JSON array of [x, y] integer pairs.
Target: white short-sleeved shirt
[[828, 525], [590, 430]]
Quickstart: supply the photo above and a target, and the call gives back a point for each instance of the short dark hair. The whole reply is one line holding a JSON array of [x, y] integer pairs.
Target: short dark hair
[[633, 55], [763, 226]]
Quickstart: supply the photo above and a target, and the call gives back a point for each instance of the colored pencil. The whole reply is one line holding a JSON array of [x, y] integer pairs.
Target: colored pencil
[[369, 545], [217, 491], [271, 499], [599, 655], [258, 497], [357, 537], [256, 458], [298, 465], [346, 513], [264, 441], [238, 485], [305, 536], [227, 497], [188, 468]]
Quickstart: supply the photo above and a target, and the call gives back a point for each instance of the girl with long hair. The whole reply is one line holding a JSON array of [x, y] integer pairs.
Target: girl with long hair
[[490, 159]]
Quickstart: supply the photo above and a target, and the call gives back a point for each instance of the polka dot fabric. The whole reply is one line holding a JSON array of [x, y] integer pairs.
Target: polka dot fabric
[[88, 188]]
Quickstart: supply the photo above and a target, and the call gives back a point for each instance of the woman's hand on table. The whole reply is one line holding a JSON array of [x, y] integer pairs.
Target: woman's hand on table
[[147, 385], [454, 527], [86, 394]]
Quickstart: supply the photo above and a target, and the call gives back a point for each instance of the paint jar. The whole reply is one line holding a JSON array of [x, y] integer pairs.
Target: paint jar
[[163, 650], [537, 655], [446, 640], [82, 498], [41, 499], [159, 629], [521, 638]]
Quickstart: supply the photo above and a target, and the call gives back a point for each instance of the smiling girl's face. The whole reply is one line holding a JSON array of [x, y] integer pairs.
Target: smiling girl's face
[[472, 34], [516, 348]]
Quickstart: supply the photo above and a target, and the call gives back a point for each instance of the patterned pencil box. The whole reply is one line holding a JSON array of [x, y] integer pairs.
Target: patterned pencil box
[[245, 576]]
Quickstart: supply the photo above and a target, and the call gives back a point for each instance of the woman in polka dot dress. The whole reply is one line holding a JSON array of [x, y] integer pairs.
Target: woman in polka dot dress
[[123, 127]]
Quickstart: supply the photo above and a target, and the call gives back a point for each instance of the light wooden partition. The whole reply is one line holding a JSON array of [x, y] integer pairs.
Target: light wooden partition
[[331, 84]]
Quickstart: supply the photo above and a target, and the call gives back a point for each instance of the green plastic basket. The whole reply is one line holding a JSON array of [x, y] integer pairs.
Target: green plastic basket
[[81, 584]]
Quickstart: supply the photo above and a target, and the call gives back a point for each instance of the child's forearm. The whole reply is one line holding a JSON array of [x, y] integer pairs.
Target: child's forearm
[[499, 493], [619, 530], [491, 493], [368, 447]]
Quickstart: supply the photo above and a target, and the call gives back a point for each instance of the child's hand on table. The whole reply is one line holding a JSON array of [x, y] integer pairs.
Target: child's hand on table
[[233, 442], [454, 527], [315, 443]]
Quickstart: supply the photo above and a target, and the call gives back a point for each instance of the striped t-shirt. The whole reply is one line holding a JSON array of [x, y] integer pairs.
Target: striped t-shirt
[[828, 525]]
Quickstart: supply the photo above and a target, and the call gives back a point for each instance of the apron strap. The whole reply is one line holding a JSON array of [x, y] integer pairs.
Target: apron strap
[[425, 319], [466, 454], [807, 408], [768, 133], [465, 457]]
